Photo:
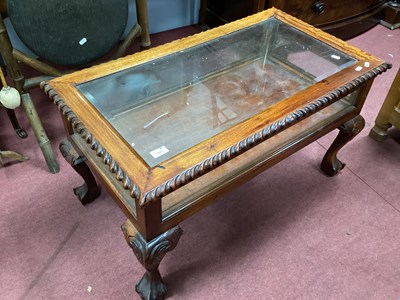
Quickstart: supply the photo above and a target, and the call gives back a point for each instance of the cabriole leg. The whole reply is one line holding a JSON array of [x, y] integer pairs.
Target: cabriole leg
[[331, 165], [89, 191], [150, 254]]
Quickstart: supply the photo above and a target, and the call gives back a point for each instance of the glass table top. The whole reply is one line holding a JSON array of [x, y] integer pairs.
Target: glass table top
[[166, 106]]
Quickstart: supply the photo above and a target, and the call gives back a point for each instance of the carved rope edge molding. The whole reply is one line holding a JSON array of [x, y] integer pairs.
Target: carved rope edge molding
[[113, 166], [218, 159], [224, 156]]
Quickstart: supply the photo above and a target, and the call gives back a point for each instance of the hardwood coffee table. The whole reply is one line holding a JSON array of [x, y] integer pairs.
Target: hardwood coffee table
[[171, 129]]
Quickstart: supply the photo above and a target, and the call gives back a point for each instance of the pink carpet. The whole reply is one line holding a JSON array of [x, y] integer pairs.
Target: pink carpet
[[290, 233]]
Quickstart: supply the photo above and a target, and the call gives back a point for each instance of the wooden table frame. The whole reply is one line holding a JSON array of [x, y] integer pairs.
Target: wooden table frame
[[151, 199]]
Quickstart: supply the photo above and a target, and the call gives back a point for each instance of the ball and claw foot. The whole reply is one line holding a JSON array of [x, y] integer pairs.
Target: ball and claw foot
[[331, 168], [89, 191], [86, 195], [150, 254], [151, 286]]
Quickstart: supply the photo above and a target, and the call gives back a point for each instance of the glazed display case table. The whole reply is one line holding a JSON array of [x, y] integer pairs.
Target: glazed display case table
[[171, 129]]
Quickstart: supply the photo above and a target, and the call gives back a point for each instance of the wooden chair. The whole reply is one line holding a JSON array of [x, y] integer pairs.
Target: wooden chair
[[10, 112], [9, 154], [62, 47], [389, 114]]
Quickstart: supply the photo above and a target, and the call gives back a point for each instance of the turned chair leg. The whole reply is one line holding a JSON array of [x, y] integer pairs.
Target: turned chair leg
[[89, 191], [150, 254], [14, 121], [330, 164], [41, 137]]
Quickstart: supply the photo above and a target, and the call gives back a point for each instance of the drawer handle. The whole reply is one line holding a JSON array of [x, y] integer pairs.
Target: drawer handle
[[318, 7]]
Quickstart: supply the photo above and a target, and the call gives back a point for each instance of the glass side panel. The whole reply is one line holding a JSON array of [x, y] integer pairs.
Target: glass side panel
[[167, 105]]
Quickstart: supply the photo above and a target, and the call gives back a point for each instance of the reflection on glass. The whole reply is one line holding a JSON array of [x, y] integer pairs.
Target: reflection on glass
[[170, 104]]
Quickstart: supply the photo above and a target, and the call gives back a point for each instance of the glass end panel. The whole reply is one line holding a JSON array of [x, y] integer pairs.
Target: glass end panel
[[307, 55], [167, 105]]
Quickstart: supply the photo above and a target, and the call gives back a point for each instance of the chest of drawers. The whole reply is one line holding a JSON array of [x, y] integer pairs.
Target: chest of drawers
[[343, 18]]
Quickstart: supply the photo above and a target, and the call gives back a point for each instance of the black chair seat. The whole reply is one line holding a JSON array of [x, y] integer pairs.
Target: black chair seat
[[69, 32]]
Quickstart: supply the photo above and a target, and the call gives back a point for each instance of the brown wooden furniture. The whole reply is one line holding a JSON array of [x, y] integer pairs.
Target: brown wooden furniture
[[12, 155], [10, 112], [3, 7], [8, 153], [12, 57], [214, 13], [391, 15], [389, 114], [170, 130], [342, 18]]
